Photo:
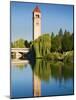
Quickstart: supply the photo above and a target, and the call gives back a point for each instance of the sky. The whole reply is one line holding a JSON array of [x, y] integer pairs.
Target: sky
[[53, 18]]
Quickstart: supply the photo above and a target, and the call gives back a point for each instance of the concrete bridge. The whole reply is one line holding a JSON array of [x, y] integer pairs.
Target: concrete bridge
[[18, 51]]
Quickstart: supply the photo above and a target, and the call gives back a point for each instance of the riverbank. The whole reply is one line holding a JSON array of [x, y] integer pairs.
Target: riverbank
[[65, 56]]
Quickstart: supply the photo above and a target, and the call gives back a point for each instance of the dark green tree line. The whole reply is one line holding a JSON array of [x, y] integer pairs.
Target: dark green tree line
[[62, 42]]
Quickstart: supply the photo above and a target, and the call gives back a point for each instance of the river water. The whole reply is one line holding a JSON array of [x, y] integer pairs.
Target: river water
[[41, 78]]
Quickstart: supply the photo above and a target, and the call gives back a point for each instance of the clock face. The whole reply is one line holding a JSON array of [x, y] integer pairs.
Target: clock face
[[37, 16], [37, 23]]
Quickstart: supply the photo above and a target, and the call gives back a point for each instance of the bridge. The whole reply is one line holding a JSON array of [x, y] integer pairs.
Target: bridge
[[18, 51]]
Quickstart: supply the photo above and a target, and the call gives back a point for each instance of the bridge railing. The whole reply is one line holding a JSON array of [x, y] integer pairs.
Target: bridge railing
[[20, 48]]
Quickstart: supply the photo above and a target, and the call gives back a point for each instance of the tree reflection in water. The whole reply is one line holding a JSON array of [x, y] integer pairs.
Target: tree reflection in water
[[45, 70]]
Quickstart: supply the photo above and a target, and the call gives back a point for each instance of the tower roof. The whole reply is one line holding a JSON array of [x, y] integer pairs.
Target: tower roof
[[36, 9]]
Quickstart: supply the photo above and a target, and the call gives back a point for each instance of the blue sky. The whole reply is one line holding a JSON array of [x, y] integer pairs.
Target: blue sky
[[54, 17]]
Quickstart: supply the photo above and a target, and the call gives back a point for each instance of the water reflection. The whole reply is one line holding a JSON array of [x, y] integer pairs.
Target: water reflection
[[37, 86], [46, 78], [21, 79], [52, 78]]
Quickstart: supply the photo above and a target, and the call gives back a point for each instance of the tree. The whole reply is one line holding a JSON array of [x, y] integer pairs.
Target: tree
[[60, 35], [19, 44], [56, 42], [52, 42], [60, 32], [27, 44], [52, 35], [72, 41], [67, 41], [42, 45]]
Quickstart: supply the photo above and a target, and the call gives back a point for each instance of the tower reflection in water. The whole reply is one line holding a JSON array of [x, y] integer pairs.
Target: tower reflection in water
[[37, 86], [42, 71]]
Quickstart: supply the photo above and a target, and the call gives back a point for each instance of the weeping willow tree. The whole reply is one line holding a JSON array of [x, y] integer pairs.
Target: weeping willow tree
[[42, 45]]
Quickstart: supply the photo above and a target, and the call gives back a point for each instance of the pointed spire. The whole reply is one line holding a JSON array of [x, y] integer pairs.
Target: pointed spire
[[36, 9]]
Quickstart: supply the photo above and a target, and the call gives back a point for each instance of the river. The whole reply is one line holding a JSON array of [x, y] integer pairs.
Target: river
[[41, 78]]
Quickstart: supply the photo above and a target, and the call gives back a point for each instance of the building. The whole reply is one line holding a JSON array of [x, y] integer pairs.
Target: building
[[36, 23]]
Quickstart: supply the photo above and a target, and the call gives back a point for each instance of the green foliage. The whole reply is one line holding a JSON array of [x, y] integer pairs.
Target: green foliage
[[27, 44], [60, 32], [46, 69], [18, 44], [42, 45], [65, 57], [67, 41], [72, 41], [56, 42], [42, 69], [62, 42], [69, 57], [54, 56]]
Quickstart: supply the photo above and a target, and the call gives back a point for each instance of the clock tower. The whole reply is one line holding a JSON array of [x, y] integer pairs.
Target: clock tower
[[36, 23]]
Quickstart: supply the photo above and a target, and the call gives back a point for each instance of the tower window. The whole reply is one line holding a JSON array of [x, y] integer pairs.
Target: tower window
[[37, 16]]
